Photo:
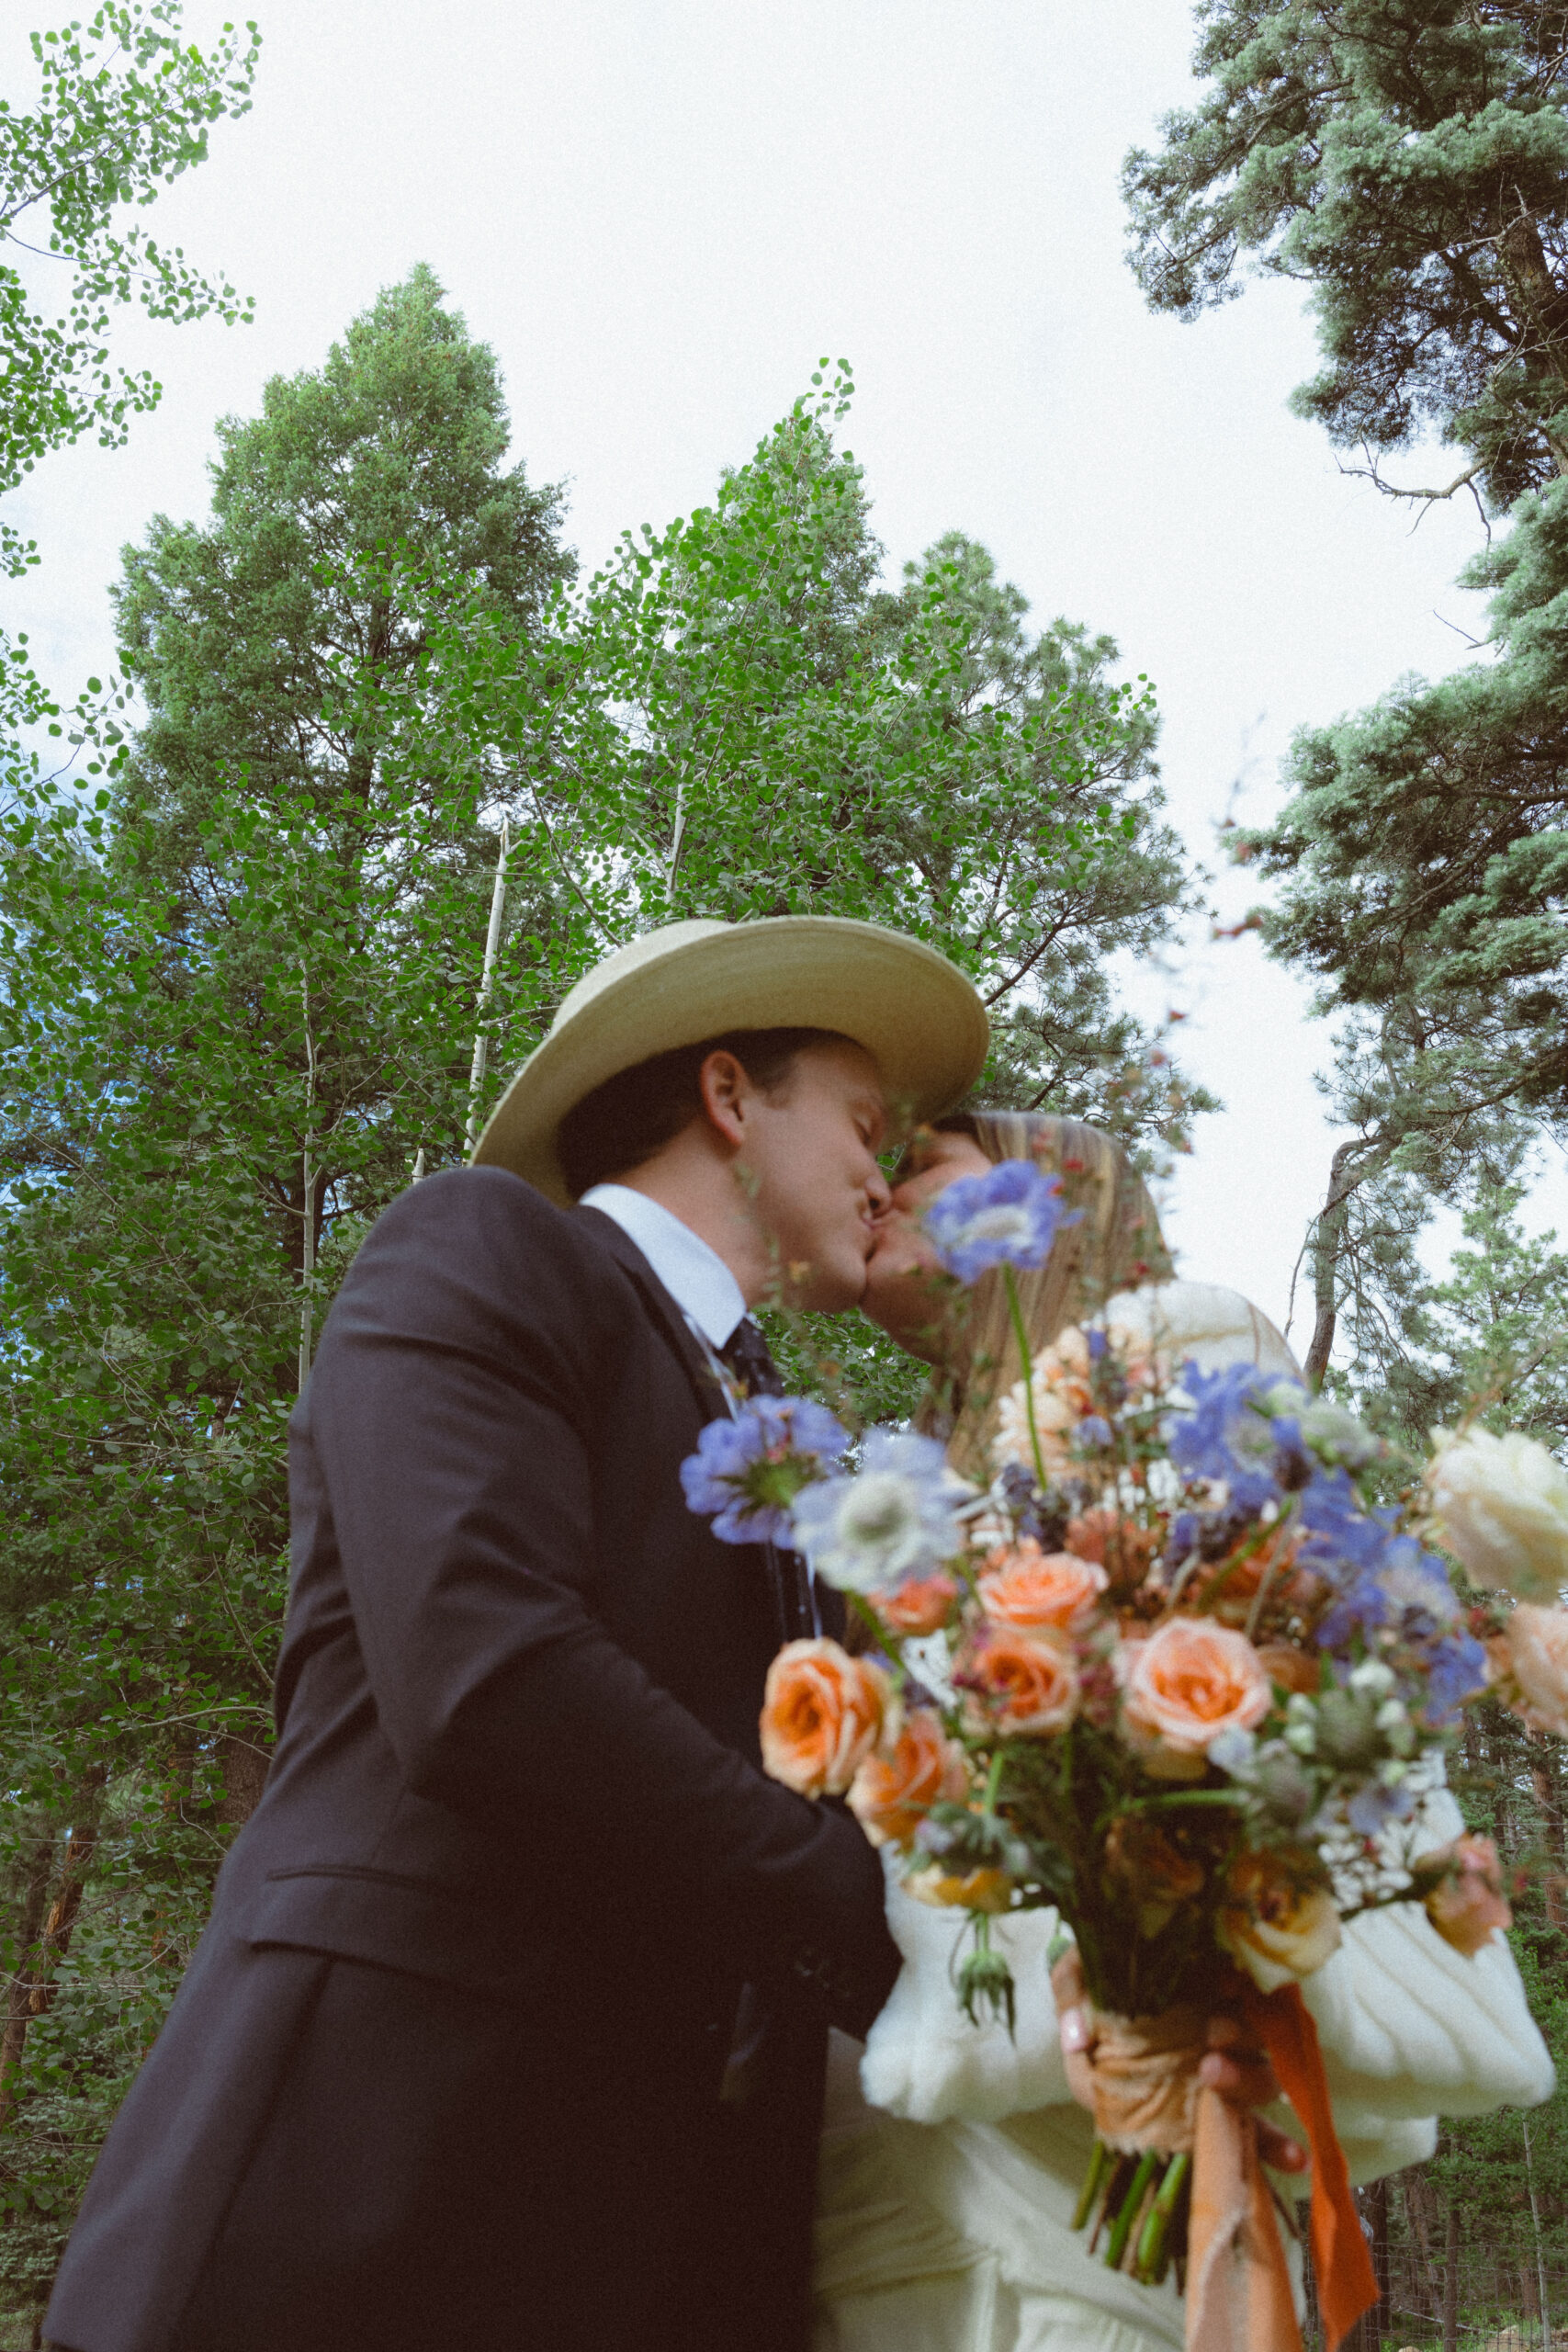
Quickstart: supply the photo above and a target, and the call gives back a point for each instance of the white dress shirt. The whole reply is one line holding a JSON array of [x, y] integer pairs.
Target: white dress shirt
[[695, 1276], [697, 1279]]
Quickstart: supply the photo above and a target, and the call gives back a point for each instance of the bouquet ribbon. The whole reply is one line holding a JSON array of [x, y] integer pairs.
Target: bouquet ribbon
[[1347, 2284], [1147, 2095]]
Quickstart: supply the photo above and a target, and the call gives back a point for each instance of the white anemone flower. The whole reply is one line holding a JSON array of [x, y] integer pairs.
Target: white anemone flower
[[891, 1521]]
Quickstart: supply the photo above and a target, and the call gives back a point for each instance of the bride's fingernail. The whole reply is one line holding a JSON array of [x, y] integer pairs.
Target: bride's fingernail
[[1075, 2031]]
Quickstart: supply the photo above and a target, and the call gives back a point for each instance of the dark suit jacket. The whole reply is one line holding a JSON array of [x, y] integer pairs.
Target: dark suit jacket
[[449, 2055]]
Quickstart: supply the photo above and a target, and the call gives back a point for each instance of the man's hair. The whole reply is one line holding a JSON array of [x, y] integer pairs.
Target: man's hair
[[638, 1112]]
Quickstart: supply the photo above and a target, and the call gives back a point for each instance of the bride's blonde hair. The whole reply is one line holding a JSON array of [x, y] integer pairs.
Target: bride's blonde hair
[[1115, 1245]]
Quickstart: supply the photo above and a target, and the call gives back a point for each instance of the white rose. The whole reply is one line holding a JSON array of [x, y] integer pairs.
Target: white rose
[[1501, 1505]]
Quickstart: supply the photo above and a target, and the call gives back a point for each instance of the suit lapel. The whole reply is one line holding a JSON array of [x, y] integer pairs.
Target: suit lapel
[[664, 1314], [785, 1573]]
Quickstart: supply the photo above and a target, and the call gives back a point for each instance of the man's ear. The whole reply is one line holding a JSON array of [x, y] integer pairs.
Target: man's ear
[[725, 1091]]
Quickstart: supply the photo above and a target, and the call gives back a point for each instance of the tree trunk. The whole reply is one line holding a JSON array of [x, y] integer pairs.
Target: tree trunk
[[1376, 2195], [25, 1967], [1451, 2279], [1545, 2304], [1543, 1780], [80, 1843], [1371, 2206], [1328, 1243], [244, 1777], [41, 1949], [1542, 309], [1417, 2191]]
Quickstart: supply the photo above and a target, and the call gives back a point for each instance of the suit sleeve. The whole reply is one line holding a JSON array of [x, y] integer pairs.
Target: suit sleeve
[[447, 1408]]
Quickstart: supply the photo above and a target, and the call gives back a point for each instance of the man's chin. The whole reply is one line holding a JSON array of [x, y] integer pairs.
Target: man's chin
[[834, 1290]]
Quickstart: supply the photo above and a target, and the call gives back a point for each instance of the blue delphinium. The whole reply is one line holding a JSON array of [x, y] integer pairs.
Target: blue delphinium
[[1009, 1216], [1376, 1804], [1340, 1533], [1456, 1670], [891, 1521], [749, 1471], [1225, 1435]]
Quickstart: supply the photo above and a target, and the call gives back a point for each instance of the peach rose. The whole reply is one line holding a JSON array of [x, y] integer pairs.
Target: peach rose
[[1468, 1900], [1018, 1681], [823, 1712], [1534, 1655], [1119, 1545], [1190, 1682], [1285, 1664], [1055, 1419], [1025, 1586], [1062, 1392], [919, 1607], [1068, 1367], [891, 1792], [1159, 1876], [1278, 1920], [1230, 1587]]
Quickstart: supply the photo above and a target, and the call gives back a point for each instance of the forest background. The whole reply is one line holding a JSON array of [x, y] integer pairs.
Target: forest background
[[258, 971]]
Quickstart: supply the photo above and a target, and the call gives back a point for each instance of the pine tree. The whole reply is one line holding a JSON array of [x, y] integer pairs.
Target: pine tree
[[1408, 164]]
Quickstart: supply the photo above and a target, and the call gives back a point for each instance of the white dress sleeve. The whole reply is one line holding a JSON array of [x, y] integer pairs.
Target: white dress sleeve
[[925, 2061], [1409, 2028]]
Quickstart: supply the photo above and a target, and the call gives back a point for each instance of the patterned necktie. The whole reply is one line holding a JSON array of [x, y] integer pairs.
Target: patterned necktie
[[749, 1361]]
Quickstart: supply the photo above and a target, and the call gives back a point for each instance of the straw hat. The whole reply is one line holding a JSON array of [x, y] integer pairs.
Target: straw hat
[[915, 1014]]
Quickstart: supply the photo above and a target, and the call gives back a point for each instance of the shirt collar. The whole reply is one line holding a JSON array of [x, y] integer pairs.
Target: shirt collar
[[695, 1276]]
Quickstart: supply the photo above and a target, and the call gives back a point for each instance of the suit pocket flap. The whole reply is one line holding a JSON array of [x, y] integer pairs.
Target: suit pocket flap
[[408, 1924]]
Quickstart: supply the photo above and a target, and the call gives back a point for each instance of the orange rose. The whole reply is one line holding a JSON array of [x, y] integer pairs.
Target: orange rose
[[1018, 1681], [823, 1712], [1158, 1875], [919, 1607], [1025, 1586], [1118, 1545], [1285, 1664], [891, 1792], [1190, 1682], [1230, 1587], [1468, 1900], [1278, 1920]]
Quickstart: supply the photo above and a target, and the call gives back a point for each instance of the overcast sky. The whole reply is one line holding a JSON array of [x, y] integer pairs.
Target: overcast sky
[[662, 213]]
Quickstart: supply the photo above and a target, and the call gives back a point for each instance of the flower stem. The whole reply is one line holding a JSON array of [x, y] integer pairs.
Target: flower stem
[[1100, 2163], [1150, 2261], [1121, 2228], [887, 1641], [1022, 1336], [1119, 2174], [1188, 1796]]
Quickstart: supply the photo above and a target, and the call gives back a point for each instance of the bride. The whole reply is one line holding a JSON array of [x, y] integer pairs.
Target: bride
[[952, 2154]]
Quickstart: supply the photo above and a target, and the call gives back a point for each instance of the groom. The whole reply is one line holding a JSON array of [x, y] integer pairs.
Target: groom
[[507, 2029]]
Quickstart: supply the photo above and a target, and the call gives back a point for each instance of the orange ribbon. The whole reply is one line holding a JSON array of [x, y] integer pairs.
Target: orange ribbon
[[1239, 2297], [1347, 2284], [1140, 2080]]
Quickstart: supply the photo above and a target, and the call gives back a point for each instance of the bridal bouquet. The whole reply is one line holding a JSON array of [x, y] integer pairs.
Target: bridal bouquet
[[1177, 1673]]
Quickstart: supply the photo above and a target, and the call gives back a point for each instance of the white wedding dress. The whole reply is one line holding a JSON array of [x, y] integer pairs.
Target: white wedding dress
[[952, 2155]]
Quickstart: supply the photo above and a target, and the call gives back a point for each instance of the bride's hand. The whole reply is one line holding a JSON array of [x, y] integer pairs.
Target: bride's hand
[[1245, 2077]]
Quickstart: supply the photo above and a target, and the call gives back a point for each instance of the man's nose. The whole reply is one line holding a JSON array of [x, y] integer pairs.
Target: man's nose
[[878, 1192]]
